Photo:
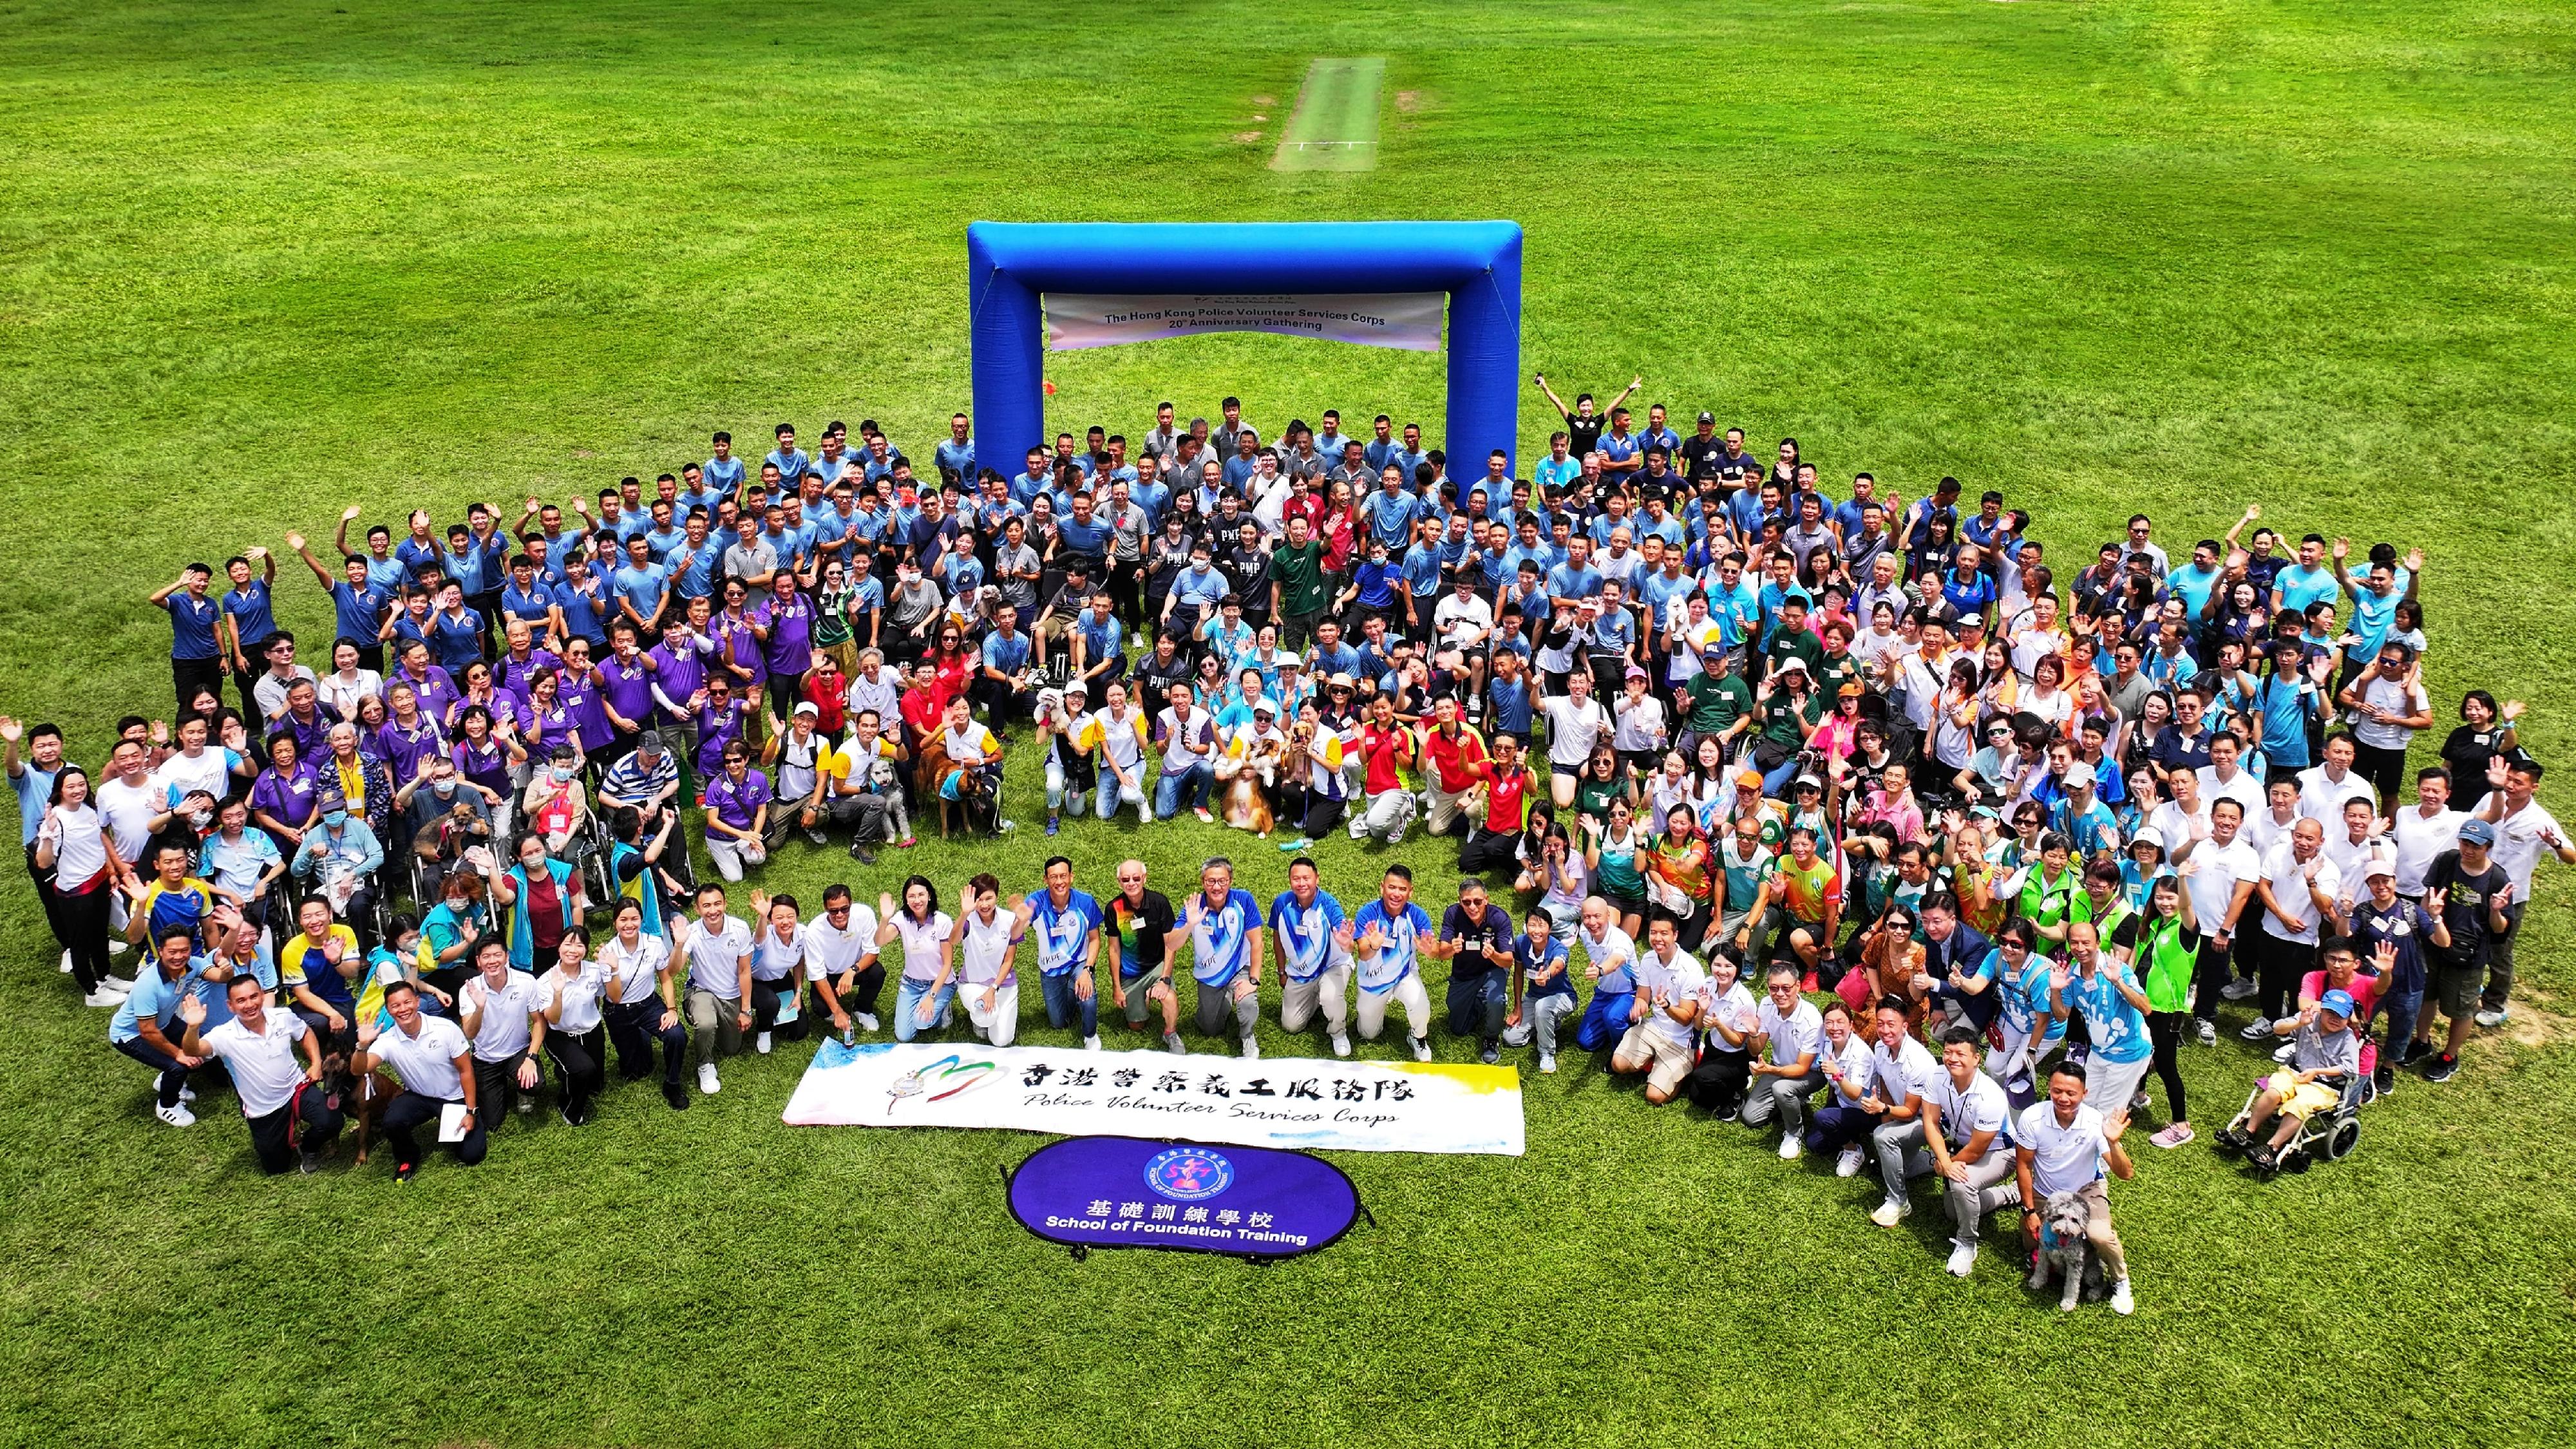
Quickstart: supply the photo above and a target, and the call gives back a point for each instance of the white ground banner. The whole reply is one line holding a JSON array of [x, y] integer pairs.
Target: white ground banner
[[1273, 1102], [1409, 320]]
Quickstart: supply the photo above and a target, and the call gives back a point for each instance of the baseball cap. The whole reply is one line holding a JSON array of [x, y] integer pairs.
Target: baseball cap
[[1707, 417], [1809, 782], [2078, 775], [1852, 689], [2476, 832], [1748, 779], [1073, 687], [1634, 672], [2338, 1002], [2148, 835], [2379, 865], [1264, 706], [650, 742], [807, 707]]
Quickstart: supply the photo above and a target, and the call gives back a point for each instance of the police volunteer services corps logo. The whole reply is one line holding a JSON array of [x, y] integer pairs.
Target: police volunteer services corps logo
[[1189, 1173]]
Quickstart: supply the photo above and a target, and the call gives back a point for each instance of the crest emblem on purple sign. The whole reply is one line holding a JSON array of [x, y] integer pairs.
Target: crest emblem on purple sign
[[1189, 1174]]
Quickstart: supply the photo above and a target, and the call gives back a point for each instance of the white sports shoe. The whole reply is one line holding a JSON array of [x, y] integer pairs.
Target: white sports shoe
[[176, 1115], [66, 967], [187, 1093], [1341, 1044], [707, 1079], [116, 986], [1791, 1149], [2490, 1018], [867, 1022], [1251, 1050], [1962, 1258], [1091, 1043], [1422, 1048], [1848, 1165], [760, 1043], [103, 997], [1891, 1212], [2123, 1302], [1547, 1061]]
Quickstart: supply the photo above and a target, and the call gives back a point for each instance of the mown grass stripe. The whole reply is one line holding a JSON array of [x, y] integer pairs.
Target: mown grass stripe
[[1335, 125]]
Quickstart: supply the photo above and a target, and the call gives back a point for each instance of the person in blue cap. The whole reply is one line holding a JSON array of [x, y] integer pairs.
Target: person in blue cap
[[2323, 1046]]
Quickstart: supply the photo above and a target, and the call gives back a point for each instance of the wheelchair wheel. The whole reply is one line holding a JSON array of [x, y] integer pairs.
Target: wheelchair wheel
[[2343, 1139]]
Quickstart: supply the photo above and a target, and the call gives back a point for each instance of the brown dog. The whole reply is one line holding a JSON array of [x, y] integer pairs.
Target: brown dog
[[364, 1101]]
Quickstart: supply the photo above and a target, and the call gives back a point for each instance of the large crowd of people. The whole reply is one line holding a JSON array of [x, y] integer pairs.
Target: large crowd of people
[[1818, 805]]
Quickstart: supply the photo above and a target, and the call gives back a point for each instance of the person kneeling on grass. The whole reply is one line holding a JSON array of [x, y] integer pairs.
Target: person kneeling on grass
[[2063, 1145], [1840, 1125], [278, 1095], [1671, 989], [429, 1054], [2323, 1046], [1783, 1084]]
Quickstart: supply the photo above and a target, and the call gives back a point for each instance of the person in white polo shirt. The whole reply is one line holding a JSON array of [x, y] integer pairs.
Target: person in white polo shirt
[[841, 964], [2524, 828], [429, 1054], [643, 1002], [259, 1046], [1964, 1117], [717, 948], [1903, 1075], [1789, 1078], [2063, 1145], [1671, 989], [2298, 890], [987, 936], [503, 1012], [576, 1037], [2222, 892]]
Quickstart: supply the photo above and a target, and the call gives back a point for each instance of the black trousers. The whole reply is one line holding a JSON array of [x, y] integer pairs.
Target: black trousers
[[2279, 968], [634, 1027], [581, 1067], [860, 999], [1489, 850], [187, 676], [273, 1136], [2210, 975], [496, 1084], [402, 1121], [1717, 1083], [766, 999]]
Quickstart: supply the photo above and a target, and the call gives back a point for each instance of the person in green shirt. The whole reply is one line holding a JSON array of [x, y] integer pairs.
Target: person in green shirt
[[1715, 705], [2050, 887], [1790, 709], [1298, 590], [1793, 640]]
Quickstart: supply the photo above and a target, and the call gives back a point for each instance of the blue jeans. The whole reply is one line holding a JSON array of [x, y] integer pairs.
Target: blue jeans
[[1778, 780], [1187, 790], [1836, 1127], [908, 996], [1478, 1007], [2403, 1012], [1063, 1004]]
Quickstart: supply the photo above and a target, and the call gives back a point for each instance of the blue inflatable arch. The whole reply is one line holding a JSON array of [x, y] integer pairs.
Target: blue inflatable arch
[[1012, 265]]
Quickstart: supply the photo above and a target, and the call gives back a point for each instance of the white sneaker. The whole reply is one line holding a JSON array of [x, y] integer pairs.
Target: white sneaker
[[176, 1116], [2490, 1018], [1848, 1165], [760, 1043], [1251, 1050], [103, 997], [2209, 1033], [2123, 1302], [1547, 1061], [1962, 1258], [1091, 1043], [2257, 1029], [707, 1080], [1341, 1044], [118, 945], [1422, 1048], [116, 986], [187, 1093], [867, 1022], [66, 967], [1891, 1212], [1791, 1149]]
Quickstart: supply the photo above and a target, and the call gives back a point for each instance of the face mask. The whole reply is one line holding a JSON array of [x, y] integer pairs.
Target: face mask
[[561, 773], [444, 787], [335, 818]]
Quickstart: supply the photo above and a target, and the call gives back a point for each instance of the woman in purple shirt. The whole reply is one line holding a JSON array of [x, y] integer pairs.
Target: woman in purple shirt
[[409, 737], [577, 686], [785, 624], [549, 721], [281, 799], [737, 804]]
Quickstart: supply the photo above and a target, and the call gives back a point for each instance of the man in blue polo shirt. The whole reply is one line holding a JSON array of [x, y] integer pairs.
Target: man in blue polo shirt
[[196, 656]]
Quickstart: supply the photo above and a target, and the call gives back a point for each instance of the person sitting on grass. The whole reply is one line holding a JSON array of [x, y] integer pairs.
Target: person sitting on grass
[[2323, 1047]]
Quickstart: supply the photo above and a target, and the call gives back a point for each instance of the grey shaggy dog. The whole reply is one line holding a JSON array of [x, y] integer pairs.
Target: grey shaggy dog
[[2063, 1250]]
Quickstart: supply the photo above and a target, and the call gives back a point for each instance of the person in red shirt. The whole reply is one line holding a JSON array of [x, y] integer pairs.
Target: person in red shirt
[[1456, 758], [828, 690], [925, 709], [953, 662], [1386, 748], [1508, 783]]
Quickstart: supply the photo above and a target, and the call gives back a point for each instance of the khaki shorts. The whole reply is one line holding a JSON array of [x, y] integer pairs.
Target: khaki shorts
[[1137, 1007], [2302, 1099], [1668, 1060]]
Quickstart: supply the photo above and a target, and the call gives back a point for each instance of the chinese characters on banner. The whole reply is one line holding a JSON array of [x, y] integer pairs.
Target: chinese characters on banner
[[1123, 1192], [1272, 1102]]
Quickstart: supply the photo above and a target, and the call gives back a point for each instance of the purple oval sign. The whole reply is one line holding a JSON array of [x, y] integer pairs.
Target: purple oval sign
[[1131, 1192]]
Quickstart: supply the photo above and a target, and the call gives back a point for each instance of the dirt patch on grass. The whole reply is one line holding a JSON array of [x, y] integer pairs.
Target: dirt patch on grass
[[1408, 101], [1247, 137]]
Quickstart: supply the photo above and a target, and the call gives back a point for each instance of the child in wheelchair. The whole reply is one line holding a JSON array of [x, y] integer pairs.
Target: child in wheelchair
[[2310, 1103]]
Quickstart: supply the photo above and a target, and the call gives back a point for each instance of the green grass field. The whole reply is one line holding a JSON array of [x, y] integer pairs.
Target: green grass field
[[258, 261]]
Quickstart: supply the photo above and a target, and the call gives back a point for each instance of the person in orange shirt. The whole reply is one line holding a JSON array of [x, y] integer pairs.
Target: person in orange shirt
[[1456, 758]]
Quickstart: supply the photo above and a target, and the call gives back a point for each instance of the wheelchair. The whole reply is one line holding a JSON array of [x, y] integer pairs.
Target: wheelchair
[[2328, 1134]]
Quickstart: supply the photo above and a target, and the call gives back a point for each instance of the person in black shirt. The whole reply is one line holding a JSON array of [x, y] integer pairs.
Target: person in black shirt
[[1247, 562], [1140, 975], [2485, 732], [1476, 937], [1702, 450], [1584, 425], [2470, 891]]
